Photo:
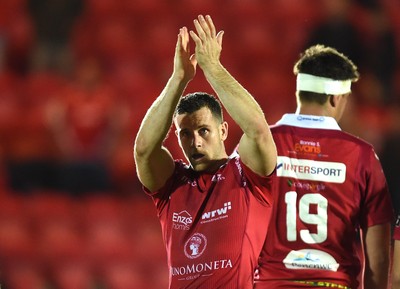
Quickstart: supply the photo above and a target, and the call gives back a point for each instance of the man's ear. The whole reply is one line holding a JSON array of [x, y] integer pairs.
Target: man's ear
[[334, 100], [224, 130]]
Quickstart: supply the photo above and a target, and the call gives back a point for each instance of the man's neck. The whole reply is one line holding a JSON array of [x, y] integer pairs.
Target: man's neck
[[214, 166], [314, 109]]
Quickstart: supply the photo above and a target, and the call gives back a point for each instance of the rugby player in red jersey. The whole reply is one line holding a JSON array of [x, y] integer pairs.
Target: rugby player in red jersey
[[213, 211], [333, 209]]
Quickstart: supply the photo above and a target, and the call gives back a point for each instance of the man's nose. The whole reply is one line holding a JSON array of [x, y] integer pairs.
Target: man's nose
[[196, 141]]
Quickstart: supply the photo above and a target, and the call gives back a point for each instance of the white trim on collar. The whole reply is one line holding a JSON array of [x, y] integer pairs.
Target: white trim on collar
[[309, 121]]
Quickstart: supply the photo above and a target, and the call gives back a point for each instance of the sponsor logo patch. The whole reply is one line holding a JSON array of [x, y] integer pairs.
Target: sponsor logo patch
[[194, 271], [307, 186], [307, 147], [310, 259], [303, 169], [217, 214], [195, 246], [181, 221]]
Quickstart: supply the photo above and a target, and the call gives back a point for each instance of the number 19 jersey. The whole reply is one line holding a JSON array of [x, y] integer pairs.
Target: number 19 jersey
[[329, 185]]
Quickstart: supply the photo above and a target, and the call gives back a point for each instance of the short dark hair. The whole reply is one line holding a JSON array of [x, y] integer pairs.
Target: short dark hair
[[194, 101], [324, 61]]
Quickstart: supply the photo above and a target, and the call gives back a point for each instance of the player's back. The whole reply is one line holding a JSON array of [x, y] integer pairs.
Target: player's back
[[329, 184]]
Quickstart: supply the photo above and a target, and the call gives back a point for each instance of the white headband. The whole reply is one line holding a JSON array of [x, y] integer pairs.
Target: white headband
[[312, 83]]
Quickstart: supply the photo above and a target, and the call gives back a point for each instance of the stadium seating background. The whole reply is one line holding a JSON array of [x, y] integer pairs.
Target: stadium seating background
[[111, 238]]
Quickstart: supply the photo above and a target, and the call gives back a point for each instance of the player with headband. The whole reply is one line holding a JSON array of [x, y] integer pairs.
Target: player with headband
[[332, 208]]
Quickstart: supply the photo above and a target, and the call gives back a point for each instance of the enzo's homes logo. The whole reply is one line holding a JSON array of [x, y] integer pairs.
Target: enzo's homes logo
[[217, 214], [303, 169], [181, 221]]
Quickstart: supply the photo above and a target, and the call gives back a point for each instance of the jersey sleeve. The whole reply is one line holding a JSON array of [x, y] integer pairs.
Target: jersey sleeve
[[378, 206], [161, 197], [261, 187]]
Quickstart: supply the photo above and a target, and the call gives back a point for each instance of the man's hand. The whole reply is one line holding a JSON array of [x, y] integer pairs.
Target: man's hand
[[184, 63], [208, 43]]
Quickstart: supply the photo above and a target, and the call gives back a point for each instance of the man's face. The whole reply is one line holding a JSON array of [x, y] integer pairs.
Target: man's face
[[201, 137]]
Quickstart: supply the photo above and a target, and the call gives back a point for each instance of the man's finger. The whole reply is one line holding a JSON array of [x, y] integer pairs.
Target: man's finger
[[211, 25], [199, 29], [204, 25], [219, 37], [185, 39], [193, 60], [195, 38], [179, 40]]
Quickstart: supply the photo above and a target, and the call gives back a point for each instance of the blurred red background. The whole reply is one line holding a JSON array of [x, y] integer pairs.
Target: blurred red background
[[76, 78]]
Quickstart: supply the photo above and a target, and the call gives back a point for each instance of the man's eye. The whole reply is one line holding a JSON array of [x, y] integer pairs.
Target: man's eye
[[184, 134], [203, 131]]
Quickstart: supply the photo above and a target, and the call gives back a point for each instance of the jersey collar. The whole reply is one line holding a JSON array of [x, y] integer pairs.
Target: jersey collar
[[309, 121]]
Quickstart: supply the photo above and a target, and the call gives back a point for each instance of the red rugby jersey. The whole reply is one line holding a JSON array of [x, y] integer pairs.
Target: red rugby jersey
[[329, 185], [214, 225]]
